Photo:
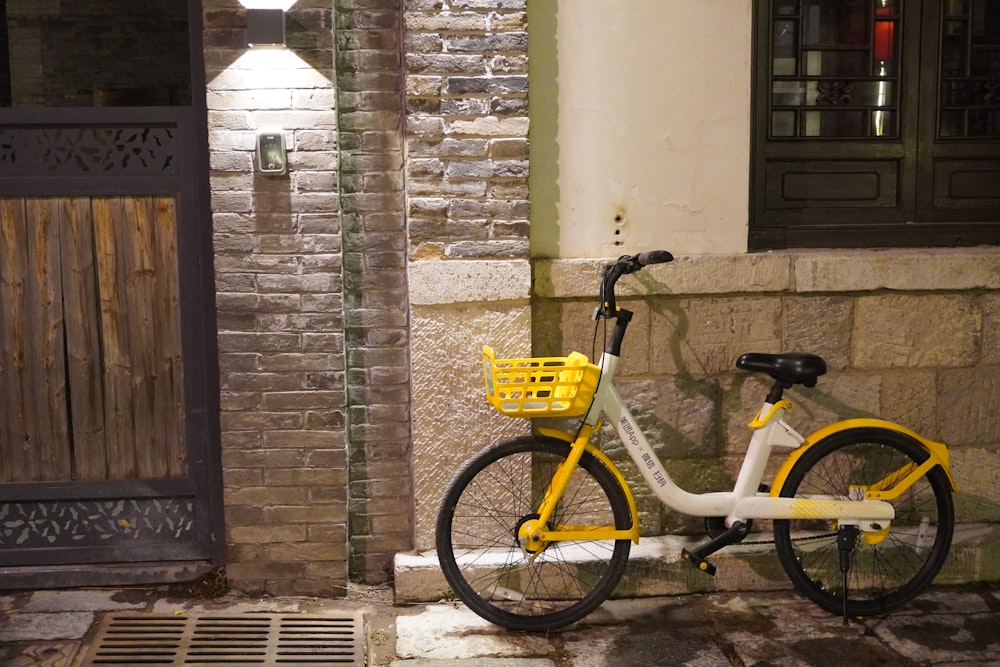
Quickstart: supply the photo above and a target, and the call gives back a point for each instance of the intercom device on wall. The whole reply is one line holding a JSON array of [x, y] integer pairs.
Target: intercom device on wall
[[272, 158]]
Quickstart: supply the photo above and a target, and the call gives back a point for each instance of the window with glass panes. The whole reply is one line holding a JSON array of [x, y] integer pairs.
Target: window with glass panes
[[876, 123]]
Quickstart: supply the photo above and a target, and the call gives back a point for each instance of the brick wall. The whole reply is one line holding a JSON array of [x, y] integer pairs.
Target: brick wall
[[312, 268], [467, 128], [369, 96], [279, 261]]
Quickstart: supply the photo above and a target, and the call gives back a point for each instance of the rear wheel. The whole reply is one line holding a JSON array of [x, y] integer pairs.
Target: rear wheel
[[887, 568], [486, 504]]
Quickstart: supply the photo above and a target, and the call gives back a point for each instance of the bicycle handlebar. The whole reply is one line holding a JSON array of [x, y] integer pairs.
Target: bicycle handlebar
[[653, 257], [625, 264]]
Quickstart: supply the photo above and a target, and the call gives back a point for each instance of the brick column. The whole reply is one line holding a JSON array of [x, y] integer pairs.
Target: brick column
[[369, 89], [278, 264]]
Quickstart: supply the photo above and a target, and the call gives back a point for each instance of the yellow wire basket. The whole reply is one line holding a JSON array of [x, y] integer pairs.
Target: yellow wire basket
[[540, 387]]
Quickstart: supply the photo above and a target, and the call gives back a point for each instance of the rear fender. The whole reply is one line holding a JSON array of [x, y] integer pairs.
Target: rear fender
[[938, 451]]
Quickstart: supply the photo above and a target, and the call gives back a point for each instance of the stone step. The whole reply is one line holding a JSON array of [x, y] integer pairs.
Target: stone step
[[655, 568]]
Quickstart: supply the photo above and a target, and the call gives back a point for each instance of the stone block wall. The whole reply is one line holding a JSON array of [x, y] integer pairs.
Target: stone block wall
[[909, 336], [467, 207]]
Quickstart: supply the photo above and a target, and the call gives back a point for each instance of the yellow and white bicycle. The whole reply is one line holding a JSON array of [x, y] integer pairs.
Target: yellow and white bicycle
[[534, 533]]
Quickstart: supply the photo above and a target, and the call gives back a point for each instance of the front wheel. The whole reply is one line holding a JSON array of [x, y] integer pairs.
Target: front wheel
[[491, 497], [887, 568]]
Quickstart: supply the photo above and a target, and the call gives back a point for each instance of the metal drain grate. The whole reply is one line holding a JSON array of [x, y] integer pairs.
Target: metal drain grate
[[287, 640]]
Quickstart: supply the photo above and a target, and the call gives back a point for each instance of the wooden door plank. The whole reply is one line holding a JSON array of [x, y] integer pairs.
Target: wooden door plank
[[111, 272], [47, 366], [169, 409], [83, 351], [91, 297], [135, 242], [15, 463]]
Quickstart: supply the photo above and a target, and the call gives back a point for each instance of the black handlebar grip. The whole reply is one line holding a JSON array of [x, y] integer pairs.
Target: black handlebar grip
[[653, 257]]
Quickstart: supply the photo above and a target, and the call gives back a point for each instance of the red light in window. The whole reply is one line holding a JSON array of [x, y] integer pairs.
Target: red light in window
[[885, 32]]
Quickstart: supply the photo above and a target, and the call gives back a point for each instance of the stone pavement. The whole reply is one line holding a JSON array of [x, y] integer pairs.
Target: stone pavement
[[946, 626]]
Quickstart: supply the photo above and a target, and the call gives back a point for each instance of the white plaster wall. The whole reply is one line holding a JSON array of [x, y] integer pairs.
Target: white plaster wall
[[640, 126]]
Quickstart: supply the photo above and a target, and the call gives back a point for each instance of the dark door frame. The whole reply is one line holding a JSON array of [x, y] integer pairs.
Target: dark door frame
[[198, 498]]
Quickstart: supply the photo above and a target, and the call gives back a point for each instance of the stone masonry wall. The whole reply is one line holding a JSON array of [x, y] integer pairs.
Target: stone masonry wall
[[467, 128], [312, 268], [909, 336], [278, 261]]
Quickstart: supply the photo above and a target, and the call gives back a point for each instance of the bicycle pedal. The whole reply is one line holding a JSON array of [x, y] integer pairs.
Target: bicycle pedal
[[697, 562]]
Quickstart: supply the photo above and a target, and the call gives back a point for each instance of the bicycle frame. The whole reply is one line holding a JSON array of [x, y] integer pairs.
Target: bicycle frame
[[745, 500]]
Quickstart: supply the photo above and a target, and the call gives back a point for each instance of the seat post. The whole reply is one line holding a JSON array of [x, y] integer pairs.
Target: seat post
[[777, 391]]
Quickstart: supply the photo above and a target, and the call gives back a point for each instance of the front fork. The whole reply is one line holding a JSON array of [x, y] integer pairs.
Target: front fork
[[531, 532], [534, 533]]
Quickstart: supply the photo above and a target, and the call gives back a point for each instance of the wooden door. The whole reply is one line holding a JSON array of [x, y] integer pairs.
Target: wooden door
[[90, 356], [110, 455], [108, 393]]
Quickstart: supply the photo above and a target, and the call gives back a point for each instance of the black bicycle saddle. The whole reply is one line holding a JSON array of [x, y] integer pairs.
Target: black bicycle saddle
[[791, 367]]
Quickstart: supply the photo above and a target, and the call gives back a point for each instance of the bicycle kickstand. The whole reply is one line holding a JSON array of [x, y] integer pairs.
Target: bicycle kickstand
[[847, 542]]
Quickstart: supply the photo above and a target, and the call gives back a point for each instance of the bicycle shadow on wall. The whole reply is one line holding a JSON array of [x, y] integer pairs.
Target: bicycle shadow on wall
[[669, 309], [696, 449], [724, 392]]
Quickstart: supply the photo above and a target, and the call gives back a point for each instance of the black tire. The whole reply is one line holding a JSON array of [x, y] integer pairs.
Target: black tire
[[477, 545], [883, 575]]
